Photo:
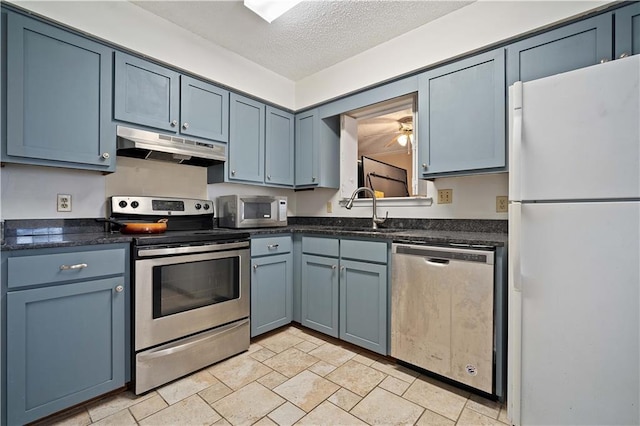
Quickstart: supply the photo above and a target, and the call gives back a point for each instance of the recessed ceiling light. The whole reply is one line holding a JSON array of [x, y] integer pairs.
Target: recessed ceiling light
[[269, 10]]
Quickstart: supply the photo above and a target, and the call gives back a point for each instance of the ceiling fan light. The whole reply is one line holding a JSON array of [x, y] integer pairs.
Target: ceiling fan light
[[269, 10], [402, 140]]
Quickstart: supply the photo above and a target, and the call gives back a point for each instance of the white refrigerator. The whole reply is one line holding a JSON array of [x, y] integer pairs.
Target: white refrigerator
[[574, 248]]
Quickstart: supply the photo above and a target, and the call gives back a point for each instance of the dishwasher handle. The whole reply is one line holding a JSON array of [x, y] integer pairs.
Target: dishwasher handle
[[443, 253], [440, 263]]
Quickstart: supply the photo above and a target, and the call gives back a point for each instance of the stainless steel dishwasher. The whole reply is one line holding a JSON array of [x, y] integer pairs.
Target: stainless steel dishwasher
[[442, 311]]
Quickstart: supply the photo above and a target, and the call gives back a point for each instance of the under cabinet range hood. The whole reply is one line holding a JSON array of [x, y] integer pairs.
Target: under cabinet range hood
[[155, 146]]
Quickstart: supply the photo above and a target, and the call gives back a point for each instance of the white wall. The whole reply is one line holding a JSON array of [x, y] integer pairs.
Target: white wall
[[30, 192], [467, 29], [127, 25], [474, 197]]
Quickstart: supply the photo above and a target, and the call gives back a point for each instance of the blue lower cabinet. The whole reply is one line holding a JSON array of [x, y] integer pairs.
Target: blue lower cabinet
[[65, 345], [344, 286], [363, 304], [271, 292], [320, 284]]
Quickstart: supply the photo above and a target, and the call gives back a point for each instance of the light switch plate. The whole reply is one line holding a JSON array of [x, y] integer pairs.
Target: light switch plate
[[329, 207]]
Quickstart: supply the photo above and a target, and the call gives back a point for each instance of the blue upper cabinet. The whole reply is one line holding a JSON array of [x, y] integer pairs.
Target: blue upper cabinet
[[150, 95], [307, 141], [59, 96], [261, 145], [565, 49], [204, 110], [317, 150], [146, 93], [246, 140], [462, 116], [627, 30], [279, 144]]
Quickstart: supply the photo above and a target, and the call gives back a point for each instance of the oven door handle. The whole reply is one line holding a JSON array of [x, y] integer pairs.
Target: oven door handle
[[196, 340], [143, 252]]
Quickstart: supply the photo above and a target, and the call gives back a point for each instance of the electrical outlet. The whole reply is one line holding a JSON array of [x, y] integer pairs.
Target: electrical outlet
[[329, 207], [445, 196], [64, 202], [502, 204]]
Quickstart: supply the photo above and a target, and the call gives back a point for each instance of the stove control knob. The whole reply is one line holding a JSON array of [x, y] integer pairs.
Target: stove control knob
[[206, 206], [198, 206], [122, 204], [135, 204]]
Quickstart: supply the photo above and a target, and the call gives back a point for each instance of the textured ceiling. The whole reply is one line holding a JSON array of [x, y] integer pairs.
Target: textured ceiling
[[308, 38]]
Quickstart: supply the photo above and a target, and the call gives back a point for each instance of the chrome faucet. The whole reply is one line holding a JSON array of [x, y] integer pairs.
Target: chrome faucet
[[375, 219]]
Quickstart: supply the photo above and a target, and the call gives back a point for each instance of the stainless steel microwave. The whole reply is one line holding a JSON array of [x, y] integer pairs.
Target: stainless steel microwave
[[251, 211]]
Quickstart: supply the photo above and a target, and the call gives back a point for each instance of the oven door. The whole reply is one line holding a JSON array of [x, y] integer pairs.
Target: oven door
[[179, 293]]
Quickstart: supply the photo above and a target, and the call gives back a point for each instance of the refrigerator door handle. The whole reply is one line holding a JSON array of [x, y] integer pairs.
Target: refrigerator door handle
[[515, 136], [515, 222]]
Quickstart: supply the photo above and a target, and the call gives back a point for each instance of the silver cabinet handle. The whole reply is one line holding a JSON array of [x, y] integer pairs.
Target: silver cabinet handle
[[105, 155], [334, 266], [603, 60], [185, 126], [342, 268], [273, 246], [313, 179], [119, 289], [233, 172], [76, 266], [174, 123], [269, 177], [424, 165], [255, 267], [623, 55]]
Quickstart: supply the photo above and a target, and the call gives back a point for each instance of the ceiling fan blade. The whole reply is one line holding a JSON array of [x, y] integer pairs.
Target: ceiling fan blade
[[392, 141]]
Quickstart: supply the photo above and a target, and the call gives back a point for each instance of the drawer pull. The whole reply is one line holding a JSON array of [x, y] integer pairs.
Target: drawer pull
[[119, 289], [76, 266], [273, 246]]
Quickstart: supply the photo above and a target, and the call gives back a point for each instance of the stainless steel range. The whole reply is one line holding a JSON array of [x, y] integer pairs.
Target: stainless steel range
[[191, 297]]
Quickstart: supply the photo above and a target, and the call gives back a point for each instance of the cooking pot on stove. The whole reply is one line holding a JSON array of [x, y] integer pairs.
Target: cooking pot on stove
[[141, 227]]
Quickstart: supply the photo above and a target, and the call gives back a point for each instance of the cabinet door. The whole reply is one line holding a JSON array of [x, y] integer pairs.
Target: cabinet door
[[204, 110], [568, 48], [271, 293], [246, 139], [65, 345], [628, 30], [145, 93], [279, 147], [462, 116], [307, 154], [319, 310], [363, 305], [59, 98]]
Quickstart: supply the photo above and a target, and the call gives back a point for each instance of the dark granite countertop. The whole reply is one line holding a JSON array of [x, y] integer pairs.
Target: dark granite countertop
[[25, 234], [491, 239]]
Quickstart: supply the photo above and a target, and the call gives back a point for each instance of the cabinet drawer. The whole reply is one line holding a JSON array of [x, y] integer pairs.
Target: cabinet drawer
[[321, 246], [370, 251], [25, 271], [270, 245]]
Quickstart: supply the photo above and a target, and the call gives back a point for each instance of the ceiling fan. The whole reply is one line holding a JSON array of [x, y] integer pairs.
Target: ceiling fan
[[404, 135]]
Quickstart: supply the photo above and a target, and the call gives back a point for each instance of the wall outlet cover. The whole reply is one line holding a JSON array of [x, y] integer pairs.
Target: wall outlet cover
[[445, 196], [329, 207], [64, 203], [502, 204]]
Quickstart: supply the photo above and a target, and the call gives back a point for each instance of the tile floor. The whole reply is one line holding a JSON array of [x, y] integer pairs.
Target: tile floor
[[296, 376]]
